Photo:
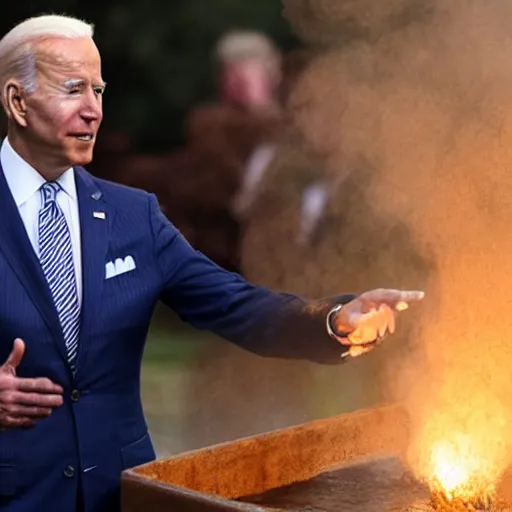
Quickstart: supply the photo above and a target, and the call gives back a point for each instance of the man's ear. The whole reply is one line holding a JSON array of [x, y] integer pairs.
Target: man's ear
[[14, 102]]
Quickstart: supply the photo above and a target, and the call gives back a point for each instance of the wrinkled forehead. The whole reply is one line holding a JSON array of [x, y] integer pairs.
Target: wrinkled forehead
[[68, 57]]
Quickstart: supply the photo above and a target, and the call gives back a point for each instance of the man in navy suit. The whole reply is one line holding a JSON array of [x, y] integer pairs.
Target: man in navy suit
[[83, 263]]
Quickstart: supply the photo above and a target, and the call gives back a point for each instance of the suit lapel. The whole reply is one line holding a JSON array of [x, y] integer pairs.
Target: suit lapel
[[19, 253], [94, 237]]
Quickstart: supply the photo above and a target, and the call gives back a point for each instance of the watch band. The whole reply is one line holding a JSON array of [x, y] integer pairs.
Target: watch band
[[331, 328]]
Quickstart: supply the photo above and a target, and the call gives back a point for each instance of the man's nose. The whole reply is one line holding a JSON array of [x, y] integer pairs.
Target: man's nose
[[92, 109], [91, 113]]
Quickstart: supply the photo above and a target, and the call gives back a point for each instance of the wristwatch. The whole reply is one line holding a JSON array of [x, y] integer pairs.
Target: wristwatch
[[331, 327], [340, 337]]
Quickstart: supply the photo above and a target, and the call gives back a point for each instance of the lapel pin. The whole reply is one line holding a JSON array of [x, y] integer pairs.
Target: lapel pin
[[96, 195], [99, 215]]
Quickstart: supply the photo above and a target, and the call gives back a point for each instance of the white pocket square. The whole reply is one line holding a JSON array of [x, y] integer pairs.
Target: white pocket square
[[119, 266]]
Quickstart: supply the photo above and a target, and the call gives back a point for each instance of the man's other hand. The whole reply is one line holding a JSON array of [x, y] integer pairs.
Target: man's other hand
[[24, 401]]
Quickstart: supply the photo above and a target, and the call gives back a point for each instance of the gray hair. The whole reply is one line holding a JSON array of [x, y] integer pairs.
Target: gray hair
[[17, 58], [239, 45]]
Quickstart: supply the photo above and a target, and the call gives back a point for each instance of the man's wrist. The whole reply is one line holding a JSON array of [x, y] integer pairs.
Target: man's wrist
[[336, 329]]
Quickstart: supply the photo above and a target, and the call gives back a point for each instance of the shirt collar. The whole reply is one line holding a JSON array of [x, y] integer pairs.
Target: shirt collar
[[24, 181]]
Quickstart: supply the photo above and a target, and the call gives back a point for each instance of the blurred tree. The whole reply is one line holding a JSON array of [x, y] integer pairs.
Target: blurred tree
[[157, 55]]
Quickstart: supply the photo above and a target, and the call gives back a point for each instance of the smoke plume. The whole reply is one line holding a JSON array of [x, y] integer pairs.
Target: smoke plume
[[421, 94]]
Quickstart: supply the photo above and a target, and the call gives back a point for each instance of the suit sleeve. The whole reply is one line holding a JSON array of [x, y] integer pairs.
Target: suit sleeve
[[257, 319]]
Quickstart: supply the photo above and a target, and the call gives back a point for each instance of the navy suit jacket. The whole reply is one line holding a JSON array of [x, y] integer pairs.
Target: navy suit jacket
[[100, 430]]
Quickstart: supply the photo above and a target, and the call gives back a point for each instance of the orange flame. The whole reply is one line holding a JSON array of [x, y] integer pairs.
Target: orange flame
[[461, 452], [459, 473]]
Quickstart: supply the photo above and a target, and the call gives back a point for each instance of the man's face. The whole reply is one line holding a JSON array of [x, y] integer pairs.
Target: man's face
[[64, 113], [248, 84]]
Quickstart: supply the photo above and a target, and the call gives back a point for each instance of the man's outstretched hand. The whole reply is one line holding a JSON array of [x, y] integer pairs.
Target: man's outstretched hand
[[24, 401], [370, 316]]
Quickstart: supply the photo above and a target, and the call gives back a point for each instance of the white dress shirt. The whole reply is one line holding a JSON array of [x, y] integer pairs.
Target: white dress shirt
[[257, 164], [24, 183]]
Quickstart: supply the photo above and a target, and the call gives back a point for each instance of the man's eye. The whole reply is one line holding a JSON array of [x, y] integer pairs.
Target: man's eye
[[99, 90], [75, 90]]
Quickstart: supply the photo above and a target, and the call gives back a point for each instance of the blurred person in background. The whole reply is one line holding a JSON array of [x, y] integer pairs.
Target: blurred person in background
[[83, 263], [212, 181], [313, 208], [207, 187], [227, 382]]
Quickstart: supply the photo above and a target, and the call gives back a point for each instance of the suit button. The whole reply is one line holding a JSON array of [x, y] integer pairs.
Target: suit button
[[69, 472], [75, 395]]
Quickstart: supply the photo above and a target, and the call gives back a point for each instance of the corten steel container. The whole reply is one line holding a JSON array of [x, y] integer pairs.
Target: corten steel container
[[212, 478]]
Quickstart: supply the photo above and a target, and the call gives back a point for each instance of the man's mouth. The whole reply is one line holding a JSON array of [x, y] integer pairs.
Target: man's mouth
[[86, 137]]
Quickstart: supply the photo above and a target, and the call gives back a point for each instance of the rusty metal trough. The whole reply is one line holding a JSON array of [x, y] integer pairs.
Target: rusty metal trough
[[349, 462]]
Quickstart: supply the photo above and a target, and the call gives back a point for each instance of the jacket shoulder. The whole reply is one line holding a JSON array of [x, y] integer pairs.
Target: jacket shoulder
[[117, 192]]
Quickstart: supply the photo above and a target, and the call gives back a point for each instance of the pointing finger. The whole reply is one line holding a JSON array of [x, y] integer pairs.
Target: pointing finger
[[396, 299], [410, 296]]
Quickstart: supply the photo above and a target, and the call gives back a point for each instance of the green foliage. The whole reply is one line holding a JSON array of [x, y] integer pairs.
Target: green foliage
[[157, 54]]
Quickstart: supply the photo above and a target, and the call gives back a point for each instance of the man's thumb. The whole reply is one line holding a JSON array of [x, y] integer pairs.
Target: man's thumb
[[16, 354]]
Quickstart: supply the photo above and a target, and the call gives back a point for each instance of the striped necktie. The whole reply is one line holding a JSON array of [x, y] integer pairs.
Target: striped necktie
[[56, 257]]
